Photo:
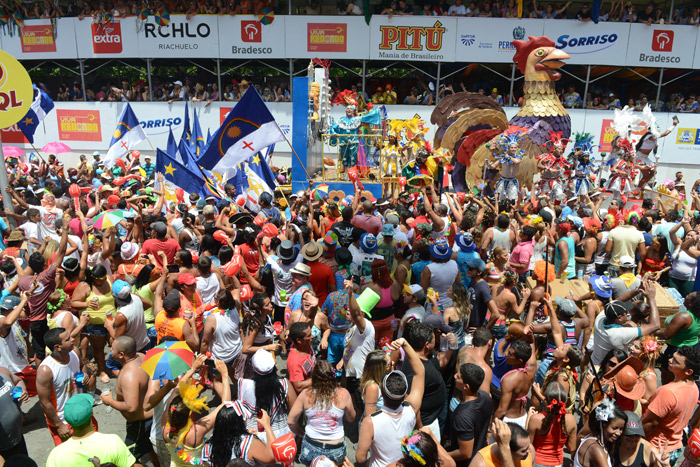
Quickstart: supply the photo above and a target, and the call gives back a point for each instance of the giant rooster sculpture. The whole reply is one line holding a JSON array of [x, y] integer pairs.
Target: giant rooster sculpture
[[469, 124]]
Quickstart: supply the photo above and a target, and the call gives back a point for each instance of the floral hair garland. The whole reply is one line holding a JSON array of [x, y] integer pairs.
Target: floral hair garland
[[605, 412], [409, 446]]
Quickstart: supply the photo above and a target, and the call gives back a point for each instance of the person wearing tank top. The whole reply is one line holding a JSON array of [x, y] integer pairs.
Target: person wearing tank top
[[325, 407], [382, 432], [130, 321], [564, 262]]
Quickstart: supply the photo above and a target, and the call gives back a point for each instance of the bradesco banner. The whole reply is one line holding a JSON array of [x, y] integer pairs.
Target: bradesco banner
[[40, 40], [413, 38], [661, 46], [197, 37], [334, 37], [589, 43], [490, 40], [108, 40], [243, 36]]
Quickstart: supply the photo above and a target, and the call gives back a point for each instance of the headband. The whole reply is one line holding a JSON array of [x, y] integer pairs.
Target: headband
[[388, 393], [58, 304]]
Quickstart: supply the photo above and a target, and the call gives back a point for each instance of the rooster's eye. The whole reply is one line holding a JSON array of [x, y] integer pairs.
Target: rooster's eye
[[540, 53]]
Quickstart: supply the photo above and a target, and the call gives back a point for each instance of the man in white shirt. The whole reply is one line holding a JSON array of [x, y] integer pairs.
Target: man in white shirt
[[31, 230], [610, 330], [178, 92], [457, 9]]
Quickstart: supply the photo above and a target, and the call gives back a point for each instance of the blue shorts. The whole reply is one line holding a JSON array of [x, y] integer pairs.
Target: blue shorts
[[311, 449], [336, 347], [98, 330]]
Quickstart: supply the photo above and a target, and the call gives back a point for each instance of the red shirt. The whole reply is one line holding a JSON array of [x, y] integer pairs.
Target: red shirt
[[169, 246], [300, 365], [251, 259], [371, 224], [322, 279]]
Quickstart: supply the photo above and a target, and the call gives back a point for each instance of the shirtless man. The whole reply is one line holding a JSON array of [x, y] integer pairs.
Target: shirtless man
[[55, 381], [483, 345], [131, 388], [515, 385]]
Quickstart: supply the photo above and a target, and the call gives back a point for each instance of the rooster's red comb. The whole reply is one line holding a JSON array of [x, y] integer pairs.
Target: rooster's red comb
[[523, 49]]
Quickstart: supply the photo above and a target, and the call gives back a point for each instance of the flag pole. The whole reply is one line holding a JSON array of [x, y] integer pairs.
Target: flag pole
[[295, 153], [38, 153]]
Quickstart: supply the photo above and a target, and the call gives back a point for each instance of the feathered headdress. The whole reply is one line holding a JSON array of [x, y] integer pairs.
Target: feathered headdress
[[585, 142], [190, 397], [345, 98], [625, 121], [506, 140], [556, 141], [650, 120]]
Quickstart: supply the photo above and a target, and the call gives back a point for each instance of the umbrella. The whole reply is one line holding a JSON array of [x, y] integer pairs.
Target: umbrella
[[108, 219], [12, 151], [56, 148], [168, 360], [320, 192], [266, 16]]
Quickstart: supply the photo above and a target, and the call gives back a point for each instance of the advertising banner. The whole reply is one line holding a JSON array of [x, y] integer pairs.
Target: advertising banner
[[40, 40], [79, 125], [588, 43], [245, 37], [661, 45], [489, 40], [413, 38], [195, 38], [108, 40], [334, 37], [607, 134], [13, 134]]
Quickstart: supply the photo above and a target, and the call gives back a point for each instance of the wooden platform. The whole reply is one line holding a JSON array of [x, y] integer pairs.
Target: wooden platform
[[561, 288]]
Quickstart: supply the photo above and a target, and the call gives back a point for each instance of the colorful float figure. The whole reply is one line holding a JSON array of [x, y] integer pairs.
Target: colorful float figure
[[552, 166], [350, 124], [584, 165], [509, 158]]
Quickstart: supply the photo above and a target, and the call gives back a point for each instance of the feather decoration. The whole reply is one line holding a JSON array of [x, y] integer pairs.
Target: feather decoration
[[650, 120], [625, 121]]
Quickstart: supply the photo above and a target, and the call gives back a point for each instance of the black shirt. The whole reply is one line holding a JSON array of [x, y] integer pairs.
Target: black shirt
[[435, 390], [479, 295], [470, 421], [347, 233], [584, 15]]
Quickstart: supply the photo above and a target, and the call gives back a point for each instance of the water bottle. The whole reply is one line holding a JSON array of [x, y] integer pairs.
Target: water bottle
[[108, 408], [579, 274], [443, 343]]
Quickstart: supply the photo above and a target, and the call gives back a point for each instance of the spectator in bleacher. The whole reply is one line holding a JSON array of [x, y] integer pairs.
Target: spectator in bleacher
[[510, 10], [472, 9], [584, 14], [76, 94], [427, 10], [688, 106], [646, 16], [572, 99], [495, 96], [629, 14], [486, 12], [613, 102], [458, 9], [390, 96], [178, 93], [404, 8], [378, 97], [549, 11]]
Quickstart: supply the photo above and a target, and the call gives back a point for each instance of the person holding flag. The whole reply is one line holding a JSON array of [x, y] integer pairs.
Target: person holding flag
[[126, 136], [37, 112]]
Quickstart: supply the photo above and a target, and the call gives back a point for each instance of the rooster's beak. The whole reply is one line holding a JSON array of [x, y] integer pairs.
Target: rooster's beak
[[554, 59]]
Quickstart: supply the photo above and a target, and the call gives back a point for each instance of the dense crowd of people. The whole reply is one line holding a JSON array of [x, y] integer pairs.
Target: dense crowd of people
[[422, 328]]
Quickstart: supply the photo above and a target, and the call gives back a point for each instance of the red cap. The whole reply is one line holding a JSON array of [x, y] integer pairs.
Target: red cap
[[112, 200], [186, 279]]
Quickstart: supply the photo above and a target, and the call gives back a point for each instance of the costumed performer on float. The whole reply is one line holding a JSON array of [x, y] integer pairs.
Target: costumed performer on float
[[350, 125], [392, 160], [623, 172], [647, 144], [510, 160], [584, 167], [552, 166]]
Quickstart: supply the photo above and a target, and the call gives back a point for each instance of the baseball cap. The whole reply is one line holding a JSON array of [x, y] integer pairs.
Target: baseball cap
[[121, 289], [172, 300], [633, 427], [186, 279], [615, 309], [178, 83], [567, 307], [160, 228], [415, 290], [437, 323], [78, 410], [627, 262], [476, 263]]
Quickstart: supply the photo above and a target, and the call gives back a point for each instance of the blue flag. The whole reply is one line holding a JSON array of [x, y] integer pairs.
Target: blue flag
[[595, 11], [171, 147], [258, 164], [197, 144], [40, 107], [247, 129], [177, 174], [186, 132], [208, 136]]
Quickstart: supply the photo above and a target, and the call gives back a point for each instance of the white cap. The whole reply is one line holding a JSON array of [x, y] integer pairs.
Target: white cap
[[263, 362]]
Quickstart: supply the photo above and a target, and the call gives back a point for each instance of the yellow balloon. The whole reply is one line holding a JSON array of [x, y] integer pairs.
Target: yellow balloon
[[16, 93]]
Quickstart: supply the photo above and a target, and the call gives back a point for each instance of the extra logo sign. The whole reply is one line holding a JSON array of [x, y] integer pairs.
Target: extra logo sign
[[411, 39], [107, 38]]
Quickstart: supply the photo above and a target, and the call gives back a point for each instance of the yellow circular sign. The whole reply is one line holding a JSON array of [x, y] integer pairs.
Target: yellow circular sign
[[16, 93]]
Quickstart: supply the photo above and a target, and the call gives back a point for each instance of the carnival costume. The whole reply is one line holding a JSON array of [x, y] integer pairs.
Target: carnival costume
[[507, 185], [349, 145], [584, 170], [554, 164]]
